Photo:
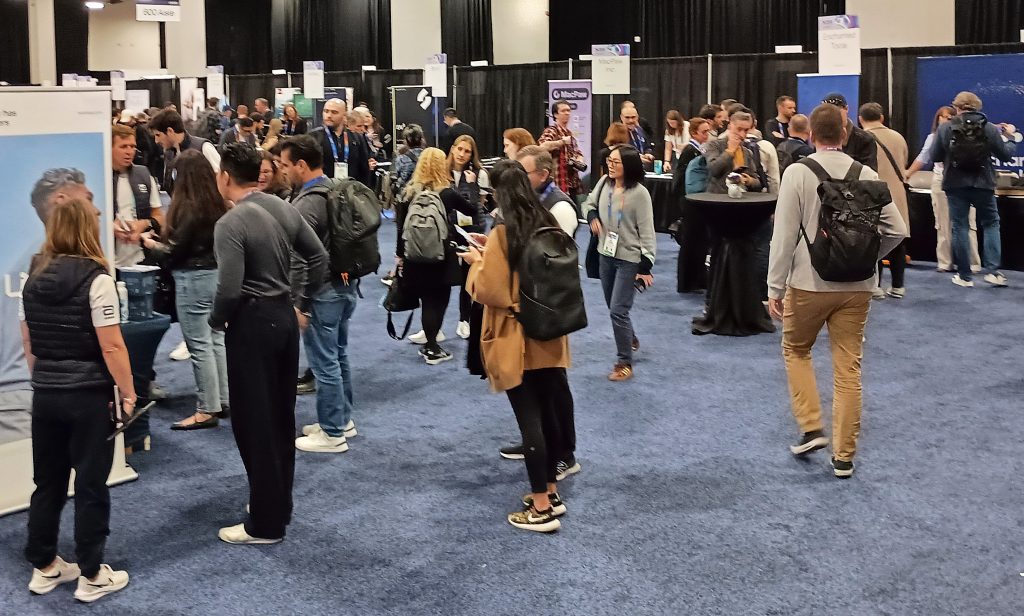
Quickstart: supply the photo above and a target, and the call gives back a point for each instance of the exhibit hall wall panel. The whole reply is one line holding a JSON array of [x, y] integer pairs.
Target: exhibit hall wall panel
[[117, 41], [520, 31], [907, 23], [186, 40], [415, 32], [42, 48]]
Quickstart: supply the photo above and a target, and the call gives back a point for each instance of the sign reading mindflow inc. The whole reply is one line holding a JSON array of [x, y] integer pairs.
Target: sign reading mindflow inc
[[157, 10]]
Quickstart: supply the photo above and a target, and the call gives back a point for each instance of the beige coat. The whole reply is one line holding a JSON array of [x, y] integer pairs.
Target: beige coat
[[897, 146], [505, 350]]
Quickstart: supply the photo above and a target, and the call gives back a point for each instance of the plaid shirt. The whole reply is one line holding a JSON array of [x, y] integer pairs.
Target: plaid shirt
[[566, 177]]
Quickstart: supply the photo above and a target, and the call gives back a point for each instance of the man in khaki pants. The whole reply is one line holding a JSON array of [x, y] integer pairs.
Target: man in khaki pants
[[811, 302]]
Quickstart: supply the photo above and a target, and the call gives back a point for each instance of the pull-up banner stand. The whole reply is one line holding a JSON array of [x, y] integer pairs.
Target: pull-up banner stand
[[577, 92], [415, 105], [57, 133]]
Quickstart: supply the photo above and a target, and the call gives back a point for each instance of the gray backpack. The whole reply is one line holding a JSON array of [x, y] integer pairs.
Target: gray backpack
[[426, 229]]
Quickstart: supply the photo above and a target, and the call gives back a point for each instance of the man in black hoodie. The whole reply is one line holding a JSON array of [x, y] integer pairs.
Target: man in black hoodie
[[859, 144]]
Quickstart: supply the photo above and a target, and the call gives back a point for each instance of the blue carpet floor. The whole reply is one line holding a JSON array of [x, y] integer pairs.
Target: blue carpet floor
[[688, 503]]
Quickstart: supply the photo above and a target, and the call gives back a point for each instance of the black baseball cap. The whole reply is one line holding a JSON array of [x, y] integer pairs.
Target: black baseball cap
[[837, 99]]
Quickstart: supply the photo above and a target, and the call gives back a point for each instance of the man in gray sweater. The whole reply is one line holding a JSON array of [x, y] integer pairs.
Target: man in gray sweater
[[810, 302], [253, 244]]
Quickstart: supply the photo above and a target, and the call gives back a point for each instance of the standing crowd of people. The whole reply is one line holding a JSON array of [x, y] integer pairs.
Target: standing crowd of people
[[256, 248]]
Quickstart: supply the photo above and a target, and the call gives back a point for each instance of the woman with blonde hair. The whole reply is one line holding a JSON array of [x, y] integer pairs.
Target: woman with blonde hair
[[71, 331], [273, 134], [515, 139], [431, 282]]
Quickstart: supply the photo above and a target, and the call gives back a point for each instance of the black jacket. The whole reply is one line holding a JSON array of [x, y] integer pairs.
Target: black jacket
[[189, 247], [59, 318], [358, 153], [447, 140], [861, 146]]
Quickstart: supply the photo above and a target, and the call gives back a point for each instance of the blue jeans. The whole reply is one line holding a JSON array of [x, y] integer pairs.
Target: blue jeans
[[984, 202], [617, 279], [326, 341], [194, 291]]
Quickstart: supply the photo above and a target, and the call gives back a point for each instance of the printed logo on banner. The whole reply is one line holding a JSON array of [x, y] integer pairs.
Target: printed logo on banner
[[570, 94]]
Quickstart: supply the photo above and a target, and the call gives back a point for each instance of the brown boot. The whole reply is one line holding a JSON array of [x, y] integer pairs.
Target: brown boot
[[621, 372]]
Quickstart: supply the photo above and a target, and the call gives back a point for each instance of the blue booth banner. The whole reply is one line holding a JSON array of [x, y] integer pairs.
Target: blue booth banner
[[812, 88], [997, 80]]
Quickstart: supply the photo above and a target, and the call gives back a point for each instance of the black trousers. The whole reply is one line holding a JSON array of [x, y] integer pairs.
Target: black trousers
[[544, 411], [262, 343], [69, 431], [897, 265], [465, 301], [434, 303]]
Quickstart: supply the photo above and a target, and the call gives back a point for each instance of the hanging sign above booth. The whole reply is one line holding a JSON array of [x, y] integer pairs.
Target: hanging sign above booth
[[435, 74], [157, 10], [215, 82], [610, 69], [313, 78], [839, 45]]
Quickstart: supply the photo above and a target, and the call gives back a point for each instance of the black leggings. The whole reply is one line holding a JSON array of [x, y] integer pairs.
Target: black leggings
[[465, 301], [543, 408], [434, 303], [897, 265], [69, 431]]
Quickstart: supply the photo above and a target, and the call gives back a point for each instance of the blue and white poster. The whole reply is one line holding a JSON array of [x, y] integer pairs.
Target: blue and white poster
[[62, 141], [997, 80]]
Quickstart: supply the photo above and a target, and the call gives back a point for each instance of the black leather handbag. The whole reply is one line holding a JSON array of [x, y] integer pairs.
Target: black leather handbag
[[399, 299]]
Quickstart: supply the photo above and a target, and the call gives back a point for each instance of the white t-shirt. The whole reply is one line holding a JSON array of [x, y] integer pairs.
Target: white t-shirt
[[679, 141], [131, 254], [103, 302]]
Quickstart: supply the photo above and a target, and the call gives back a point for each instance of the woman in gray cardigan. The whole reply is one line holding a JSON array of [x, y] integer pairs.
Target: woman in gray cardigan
[[621, 215]]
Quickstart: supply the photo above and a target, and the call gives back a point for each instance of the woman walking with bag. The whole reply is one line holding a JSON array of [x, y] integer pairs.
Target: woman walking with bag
[[188, 252], [71, 330], [531, 372], [622, 218], [431, 281]]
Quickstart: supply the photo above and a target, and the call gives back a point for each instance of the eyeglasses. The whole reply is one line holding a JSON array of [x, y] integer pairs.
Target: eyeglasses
[[614, 162]]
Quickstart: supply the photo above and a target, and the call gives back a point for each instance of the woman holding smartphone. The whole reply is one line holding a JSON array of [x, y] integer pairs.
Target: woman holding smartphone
[[470, 180], [71, 331], [531, 372], [622, 218]]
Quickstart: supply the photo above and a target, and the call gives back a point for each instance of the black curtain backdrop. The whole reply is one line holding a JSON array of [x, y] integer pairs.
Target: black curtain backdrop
[[160, 91], [14, 57], [989, 21], [466, 33], [238, 35], [757, 80], [345, 35], [71, 37], [493, 98], [687, 27]]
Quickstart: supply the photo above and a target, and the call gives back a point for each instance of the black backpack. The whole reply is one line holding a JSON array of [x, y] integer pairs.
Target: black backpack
[[969, 149], [353, 217], [550, 296], [846, 247]]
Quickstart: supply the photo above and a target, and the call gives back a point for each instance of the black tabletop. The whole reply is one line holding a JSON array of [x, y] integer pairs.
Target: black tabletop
[[734, 218]]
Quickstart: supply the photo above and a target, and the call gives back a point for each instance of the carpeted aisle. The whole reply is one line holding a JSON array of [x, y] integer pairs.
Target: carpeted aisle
[[688, 503]]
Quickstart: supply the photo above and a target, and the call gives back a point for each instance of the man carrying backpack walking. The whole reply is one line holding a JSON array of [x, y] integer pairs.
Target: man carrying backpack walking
[[967, 144], [821, 290], [326, 337]]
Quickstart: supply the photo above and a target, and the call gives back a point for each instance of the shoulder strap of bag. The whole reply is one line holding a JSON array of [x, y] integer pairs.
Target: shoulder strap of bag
[[854, 173], [815, 166], [405, 330], [888, 154]]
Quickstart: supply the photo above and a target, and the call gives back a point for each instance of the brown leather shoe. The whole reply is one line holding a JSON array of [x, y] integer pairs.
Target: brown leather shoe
[[621, 372]]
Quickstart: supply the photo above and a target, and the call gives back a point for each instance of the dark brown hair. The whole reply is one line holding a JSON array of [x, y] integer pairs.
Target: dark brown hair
[[827, 125], [197, 202]]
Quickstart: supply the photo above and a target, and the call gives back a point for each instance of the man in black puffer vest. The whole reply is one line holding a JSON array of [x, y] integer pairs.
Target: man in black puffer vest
[[169, 131]]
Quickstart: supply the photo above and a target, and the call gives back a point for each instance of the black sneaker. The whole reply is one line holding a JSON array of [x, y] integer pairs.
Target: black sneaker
[[558, 508], [811, 441], [537, 521], [842, 468], [306, 383], [225, 412], [512, 452], [567, 467], [434, 356]]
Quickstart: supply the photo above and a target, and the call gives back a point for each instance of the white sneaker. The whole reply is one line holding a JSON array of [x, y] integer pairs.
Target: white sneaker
[[878, 293], [107, 581], [420, 337], [43, 583], [349, 430], [996, 280], [321, 442], [897, 292], [462, 331], [960, 282], [180, 352], [236, 535]]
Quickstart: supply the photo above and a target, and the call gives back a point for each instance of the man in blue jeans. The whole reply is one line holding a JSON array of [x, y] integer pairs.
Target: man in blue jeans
[[967, 144], [326, 337]]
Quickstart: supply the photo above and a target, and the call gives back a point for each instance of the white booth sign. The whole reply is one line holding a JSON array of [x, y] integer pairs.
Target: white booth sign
[[157, 10], [838, 45], [435, 75], [610, 69]]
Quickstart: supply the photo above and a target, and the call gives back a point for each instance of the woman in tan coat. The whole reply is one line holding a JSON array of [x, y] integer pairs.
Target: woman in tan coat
[[531, 372]]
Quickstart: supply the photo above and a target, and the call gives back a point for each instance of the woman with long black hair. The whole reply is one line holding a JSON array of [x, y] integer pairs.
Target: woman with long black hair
[[71, 330], [531, 372], [187, 251]]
